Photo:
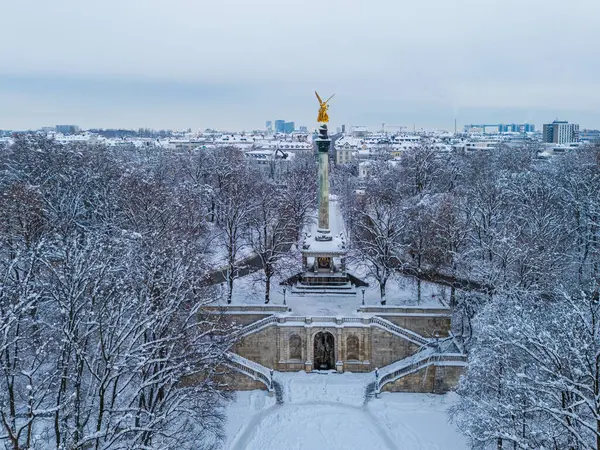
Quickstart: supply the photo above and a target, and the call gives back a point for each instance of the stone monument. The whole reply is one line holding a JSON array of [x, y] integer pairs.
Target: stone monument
[[323, 251]]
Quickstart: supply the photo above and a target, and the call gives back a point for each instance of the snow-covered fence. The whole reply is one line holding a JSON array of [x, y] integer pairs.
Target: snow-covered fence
[[323, 319], [353, 320], [250, 368], [248, 329], [410, 335], [292, 319], [415, 363]]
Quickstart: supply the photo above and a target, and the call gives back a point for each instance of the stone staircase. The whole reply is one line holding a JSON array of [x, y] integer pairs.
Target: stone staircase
[[334, 289]]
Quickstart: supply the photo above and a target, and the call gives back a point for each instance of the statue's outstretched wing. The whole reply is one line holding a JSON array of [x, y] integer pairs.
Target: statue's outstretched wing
[[329, 98], [319, 98]]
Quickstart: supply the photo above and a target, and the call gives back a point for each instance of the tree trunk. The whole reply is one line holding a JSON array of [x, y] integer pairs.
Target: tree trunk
[[268, 289], [229, 284], [382, 291]]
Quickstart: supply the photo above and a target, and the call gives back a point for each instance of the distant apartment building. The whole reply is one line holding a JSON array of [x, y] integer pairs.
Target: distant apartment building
[[589, 135], [302, 129], [500, 128], [280, 126], [269, 125], [346, 150], [560, 132], [288, 127], [67, 129]]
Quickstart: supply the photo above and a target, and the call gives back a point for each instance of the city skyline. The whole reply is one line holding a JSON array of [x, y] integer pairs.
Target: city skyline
[[184, 65]]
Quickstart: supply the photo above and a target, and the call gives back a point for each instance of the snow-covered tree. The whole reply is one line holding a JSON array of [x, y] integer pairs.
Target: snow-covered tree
[[272, 232], [379, 227], [101, 297]]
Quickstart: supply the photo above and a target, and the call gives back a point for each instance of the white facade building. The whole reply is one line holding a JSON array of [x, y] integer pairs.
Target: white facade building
[[560, 132]]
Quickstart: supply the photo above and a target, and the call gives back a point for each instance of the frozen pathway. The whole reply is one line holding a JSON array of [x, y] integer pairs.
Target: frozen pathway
[[315, 425], [326, 411]]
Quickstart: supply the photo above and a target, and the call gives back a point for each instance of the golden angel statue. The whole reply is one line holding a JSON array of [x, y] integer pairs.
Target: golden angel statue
[[323, 116]]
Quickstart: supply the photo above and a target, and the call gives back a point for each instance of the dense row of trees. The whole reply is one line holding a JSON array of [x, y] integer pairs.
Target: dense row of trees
[[258, 212], [104, 260], [525, 232]]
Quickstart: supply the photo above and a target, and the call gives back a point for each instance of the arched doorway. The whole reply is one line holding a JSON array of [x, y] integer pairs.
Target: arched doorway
[[324, 351]]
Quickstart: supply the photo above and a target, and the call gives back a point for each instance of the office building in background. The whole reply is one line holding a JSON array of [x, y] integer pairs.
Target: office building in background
[[560, 132], [280, 126]]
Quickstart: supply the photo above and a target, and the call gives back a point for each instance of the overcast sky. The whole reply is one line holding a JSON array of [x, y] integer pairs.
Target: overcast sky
[[232, 64]]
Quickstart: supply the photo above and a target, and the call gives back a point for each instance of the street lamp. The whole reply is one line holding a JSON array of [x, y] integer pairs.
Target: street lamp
[[363, 295]]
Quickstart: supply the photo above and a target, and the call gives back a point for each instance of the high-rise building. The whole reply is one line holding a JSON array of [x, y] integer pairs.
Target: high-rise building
[[269, 125], [67, 129], [288, 127], [280, 126], [303, 129], [560, 132]]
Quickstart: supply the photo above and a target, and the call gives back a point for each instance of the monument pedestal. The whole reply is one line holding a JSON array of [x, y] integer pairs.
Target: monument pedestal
[[324, 255]]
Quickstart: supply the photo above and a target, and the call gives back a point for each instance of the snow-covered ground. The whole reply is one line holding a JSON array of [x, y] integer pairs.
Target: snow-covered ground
[[324, 386], [326, 411], [401, 290]]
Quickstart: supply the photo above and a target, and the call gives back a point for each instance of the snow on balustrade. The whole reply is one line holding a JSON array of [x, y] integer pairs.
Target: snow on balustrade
[[421, 356], [256, 325], [410, 335], [250, 364], [424, 358]]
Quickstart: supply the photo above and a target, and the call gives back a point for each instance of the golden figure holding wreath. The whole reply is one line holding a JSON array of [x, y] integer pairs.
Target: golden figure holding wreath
[[323, 116]]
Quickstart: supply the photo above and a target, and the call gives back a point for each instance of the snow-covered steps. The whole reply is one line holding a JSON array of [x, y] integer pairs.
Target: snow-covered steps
[[322, 289]]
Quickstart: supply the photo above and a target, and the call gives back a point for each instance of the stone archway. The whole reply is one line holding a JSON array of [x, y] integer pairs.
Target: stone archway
[[324, 351]]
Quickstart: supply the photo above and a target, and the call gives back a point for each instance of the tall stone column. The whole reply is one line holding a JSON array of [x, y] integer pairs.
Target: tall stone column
[[308, 364], [323, 144]]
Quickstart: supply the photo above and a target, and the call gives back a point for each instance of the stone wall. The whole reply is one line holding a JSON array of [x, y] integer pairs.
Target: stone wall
[[237, 381], [228, 379], [360, 351], [434, 379], [358, 348], [446, 378], [260, 347], [387, 348], [420, 381]]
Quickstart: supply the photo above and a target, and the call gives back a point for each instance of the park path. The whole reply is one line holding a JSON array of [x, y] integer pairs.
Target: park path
[[320, 410]]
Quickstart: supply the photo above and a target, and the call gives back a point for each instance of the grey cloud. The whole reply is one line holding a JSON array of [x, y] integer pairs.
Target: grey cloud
[[167, 62]]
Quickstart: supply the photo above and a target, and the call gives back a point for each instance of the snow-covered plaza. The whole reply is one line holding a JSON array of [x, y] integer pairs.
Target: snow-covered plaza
[[328, 411]]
